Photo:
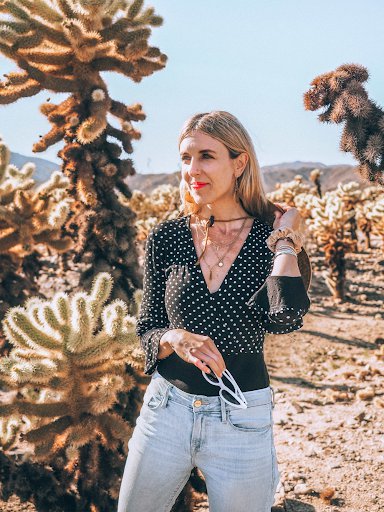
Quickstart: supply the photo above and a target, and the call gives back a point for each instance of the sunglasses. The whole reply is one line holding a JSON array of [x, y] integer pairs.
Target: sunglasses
[[232, 397]]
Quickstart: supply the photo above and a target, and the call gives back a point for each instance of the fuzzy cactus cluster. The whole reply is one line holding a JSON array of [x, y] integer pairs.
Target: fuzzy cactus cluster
[[66, 375], [287, 191], [75, 350], [64, 47], [161, 204], [373, 211], [333, 218], [29, 215], [31, 221], [343, 98]]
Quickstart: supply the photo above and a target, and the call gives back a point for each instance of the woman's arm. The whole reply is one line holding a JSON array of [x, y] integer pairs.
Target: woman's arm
[[153, 320], [285, 264], [282, 299]]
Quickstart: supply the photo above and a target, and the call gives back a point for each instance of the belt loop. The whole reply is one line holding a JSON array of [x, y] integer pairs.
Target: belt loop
[[164, 401], [273, 397], [223, 411]]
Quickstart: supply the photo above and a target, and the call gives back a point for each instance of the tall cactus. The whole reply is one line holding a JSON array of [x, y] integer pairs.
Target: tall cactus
[[315, 177], [342, 94], [74, 350], [64, 46]]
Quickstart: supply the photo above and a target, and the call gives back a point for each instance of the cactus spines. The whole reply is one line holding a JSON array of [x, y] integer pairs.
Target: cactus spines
[[65, 47], [286, 192], [74, 350], [342, 94], [31, 221], [161, 204], [328, 218]]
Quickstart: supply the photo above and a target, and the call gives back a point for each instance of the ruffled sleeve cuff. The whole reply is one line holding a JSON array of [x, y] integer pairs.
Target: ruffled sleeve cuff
[[150, 343], [283, 299]]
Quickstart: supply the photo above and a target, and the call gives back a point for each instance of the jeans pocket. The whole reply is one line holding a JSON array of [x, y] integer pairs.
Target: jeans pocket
[[153, 396], [255, 418]]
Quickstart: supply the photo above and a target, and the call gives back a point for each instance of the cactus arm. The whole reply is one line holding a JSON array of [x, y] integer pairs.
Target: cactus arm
[[49, 431], [45, 410]]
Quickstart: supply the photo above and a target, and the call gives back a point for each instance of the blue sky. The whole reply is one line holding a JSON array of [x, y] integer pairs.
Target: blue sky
[[254, 58]]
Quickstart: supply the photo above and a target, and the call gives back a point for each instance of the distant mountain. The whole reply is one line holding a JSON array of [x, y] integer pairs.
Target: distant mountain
[[272, 174], [44, 168]]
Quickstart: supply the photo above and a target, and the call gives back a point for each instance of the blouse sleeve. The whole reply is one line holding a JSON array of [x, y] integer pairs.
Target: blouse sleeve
[[152, 320], [283, 301]]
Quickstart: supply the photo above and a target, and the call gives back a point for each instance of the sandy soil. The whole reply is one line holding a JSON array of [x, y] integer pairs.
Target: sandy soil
[[328, 380]]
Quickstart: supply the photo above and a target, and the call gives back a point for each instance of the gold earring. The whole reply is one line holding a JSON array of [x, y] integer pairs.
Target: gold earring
[[236, 189]]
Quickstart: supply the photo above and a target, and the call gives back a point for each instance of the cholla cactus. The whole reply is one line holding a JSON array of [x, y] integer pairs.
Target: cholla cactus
[[13, 179], [346, 101], [369, 197], [305, 202], [74, 349], [31, 220], [315, 177], [64, 46], [350, 194], [287, 191], [161, 204], [329, 216], [376, 217], [36, 217]]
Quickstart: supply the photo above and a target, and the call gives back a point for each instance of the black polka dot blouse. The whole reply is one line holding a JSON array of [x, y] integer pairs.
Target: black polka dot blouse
[[249, 303]]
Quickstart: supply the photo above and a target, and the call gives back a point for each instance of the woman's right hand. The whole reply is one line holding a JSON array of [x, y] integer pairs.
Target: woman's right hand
[[196, 349]]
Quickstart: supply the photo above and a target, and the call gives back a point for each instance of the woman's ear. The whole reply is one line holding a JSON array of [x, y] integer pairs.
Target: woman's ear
[[241, 162]]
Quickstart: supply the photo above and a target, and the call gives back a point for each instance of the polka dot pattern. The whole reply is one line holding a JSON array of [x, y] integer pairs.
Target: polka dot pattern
[[248, 304]]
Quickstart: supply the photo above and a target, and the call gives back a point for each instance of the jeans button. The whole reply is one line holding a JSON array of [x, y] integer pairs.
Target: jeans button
[[197, 403]]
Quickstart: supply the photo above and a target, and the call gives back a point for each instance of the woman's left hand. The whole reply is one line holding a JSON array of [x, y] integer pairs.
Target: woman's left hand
[[290, 218]]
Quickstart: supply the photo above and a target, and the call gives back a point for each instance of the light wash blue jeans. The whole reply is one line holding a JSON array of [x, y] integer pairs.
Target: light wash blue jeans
[[177, 431]]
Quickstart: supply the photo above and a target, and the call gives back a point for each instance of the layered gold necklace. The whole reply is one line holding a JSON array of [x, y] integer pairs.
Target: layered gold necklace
[[216, 246]]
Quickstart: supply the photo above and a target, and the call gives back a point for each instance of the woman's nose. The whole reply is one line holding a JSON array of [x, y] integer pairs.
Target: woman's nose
[[194, 167]]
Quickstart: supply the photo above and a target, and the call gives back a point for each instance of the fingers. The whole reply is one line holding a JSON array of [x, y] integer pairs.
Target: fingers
[[208, 359], [197, 362]]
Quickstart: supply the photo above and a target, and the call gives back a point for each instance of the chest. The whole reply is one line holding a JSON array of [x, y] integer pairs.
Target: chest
[[217, 261]]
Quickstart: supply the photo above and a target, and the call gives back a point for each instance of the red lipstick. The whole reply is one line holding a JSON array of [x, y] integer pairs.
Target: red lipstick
[[198, 184]]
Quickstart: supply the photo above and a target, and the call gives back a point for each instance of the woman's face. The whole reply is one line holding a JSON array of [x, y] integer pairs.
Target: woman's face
[[206, 160]]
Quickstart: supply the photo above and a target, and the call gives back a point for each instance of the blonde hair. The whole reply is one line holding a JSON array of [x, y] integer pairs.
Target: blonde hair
[[227, 129]]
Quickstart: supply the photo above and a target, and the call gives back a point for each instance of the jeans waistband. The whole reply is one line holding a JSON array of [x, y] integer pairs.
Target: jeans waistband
[[209, 403]]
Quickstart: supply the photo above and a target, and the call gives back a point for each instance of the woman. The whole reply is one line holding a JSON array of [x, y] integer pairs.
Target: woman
[[216, 279]]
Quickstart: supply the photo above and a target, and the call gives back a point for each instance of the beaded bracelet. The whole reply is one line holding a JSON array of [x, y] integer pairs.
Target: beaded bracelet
[[295, 237]]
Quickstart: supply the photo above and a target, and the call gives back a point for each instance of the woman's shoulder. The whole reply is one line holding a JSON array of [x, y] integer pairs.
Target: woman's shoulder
[[165, 229]]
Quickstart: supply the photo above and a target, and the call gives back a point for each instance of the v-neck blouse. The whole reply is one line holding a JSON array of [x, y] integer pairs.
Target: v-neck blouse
[[249, 303]]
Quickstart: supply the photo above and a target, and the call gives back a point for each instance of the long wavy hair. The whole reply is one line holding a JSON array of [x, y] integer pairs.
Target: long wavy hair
[[227, 129]]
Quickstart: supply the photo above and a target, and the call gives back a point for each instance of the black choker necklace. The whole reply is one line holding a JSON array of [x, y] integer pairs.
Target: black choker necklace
[[212, 220]]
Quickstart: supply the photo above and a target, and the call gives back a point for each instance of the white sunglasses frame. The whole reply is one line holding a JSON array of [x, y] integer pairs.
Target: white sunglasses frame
[[241, 398]]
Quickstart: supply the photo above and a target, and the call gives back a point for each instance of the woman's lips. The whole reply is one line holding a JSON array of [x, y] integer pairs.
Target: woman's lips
[[198, 185]]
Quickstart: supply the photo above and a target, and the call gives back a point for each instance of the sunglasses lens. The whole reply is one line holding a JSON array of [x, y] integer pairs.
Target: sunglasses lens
[[229, 397], [212, 377]]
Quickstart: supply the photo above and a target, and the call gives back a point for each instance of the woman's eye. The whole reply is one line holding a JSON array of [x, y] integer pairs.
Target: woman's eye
[[206, 155]]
